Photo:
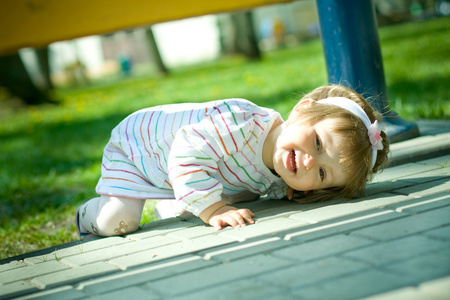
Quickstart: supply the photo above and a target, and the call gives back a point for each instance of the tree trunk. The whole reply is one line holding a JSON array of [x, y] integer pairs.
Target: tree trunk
[[156, 56], [245, 37], [15, 78], [43, 60]]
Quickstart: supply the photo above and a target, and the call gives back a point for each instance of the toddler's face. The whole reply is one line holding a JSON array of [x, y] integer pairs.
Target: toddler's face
[[307, 156]]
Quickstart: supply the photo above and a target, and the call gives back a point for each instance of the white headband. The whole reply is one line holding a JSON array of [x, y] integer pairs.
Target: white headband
[[373, 131]]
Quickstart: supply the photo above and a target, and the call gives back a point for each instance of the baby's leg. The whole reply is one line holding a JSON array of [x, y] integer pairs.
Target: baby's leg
[[108, 215]]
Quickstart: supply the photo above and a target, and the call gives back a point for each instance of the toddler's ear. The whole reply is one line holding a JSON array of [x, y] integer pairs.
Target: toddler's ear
[[305, 103]]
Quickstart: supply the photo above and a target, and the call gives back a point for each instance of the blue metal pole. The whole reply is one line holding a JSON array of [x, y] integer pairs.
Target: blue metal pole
[[353, 57]]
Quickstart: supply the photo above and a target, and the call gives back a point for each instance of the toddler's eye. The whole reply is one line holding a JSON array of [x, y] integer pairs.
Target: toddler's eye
[[322, 173], [318, 143]]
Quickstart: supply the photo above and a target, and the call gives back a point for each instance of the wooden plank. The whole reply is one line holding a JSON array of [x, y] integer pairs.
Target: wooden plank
[[35, 23]]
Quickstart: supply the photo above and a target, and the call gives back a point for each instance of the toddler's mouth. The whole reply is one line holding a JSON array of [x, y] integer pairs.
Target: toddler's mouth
[[293, 165]]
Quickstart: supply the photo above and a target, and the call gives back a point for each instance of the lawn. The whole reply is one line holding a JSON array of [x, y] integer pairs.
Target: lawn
[[50, 160]]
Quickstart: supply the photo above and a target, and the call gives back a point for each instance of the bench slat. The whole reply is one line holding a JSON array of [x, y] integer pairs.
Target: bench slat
[[35, 23]]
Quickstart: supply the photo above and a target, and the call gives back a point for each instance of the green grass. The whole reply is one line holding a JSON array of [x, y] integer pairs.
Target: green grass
[[417, 67], [50, 160]]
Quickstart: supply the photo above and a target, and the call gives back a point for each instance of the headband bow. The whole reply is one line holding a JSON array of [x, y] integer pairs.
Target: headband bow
[[373, 131]]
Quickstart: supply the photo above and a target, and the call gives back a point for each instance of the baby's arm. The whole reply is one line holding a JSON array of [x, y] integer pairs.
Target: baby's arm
[[197, 149], [219, 215]]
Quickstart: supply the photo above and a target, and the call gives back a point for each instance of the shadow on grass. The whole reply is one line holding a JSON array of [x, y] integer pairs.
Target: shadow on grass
[[59, 164], [50, 165], [409, 96]]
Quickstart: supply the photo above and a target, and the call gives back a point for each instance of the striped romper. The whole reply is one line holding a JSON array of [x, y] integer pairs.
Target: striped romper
[[192, 153]]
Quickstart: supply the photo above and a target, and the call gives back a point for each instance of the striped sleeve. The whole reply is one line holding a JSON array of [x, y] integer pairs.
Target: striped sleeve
[[197, 149]]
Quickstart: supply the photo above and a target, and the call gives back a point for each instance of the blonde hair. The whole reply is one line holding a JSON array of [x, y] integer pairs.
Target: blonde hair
[[356, 151]]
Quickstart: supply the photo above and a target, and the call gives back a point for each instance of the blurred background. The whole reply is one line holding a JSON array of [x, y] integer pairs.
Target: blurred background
[[161, 47], [55, 123]]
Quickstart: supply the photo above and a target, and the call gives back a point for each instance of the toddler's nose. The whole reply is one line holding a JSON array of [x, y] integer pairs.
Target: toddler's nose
[[309, 161]]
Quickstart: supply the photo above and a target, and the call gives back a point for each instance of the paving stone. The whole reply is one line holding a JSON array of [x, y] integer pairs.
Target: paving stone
[[348, 208], [262, 228], [332, 245], [164, 252], [433, 127], [137, 276], [408, 175], [239, 289], [441, 161], [12, 265], [91, 245], [287, 210], [31, 271], [117, 251], [17, 288], [275, 212], [285, 295], [341, 225], [387, 186], [244, 249], [265, 215], [354, 286], [407, 226], [436, 288], [442, 233], [423, 141], [131, 293], [192, 232], [381, 254], [190, 219], [73, 275], [301, 275], [217, 275], [80, 247], [426, 189], [65, 292], [38, 259], [422, 204], [429, 265], [161, 227], [402, 171], [409, 293], [423, 177], [264, 203], [423, 147]]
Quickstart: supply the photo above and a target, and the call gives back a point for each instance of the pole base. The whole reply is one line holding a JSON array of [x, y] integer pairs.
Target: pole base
[[398, 129]]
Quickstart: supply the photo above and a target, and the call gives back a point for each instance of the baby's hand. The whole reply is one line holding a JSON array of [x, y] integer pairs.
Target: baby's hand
[[290, 193], [231, 216]]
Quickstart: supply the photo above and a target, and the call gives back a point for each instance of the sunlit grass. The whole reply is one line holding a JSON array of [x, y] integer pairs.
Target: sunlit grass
[[51, 155]]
